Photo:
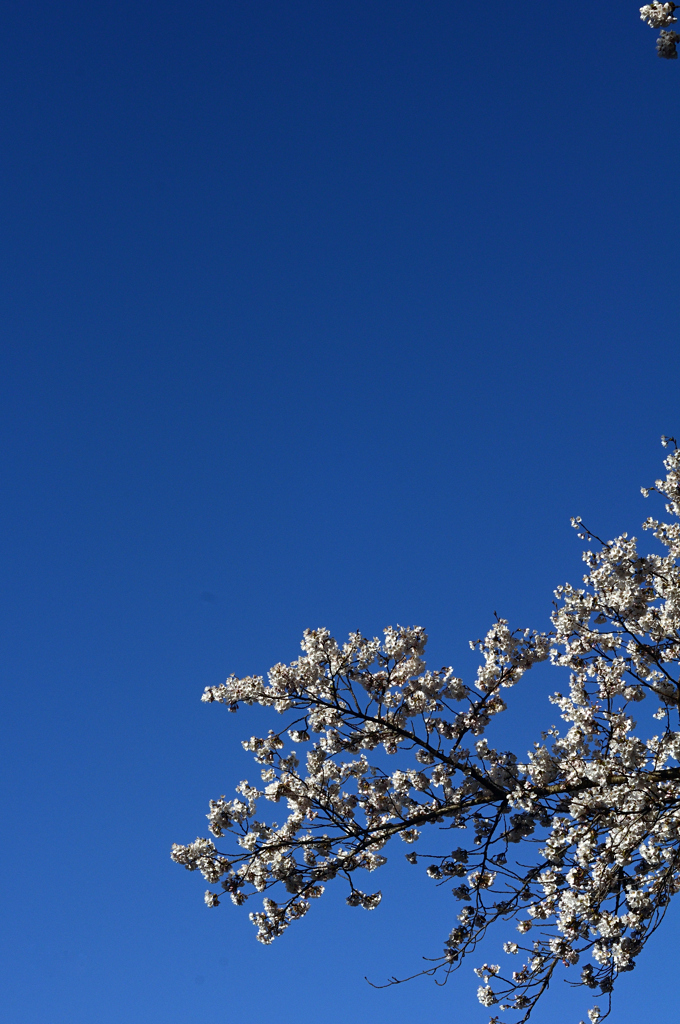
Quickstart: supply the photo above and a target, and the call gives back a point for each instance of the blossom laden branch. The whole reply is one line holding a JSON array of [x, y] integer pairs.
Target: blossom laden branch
[[576, 846]]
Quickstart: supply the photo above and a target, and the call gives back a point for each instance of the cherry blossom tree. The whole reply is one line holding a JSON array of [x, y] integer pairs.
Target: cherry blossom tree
[[572, 853], [662, 16]]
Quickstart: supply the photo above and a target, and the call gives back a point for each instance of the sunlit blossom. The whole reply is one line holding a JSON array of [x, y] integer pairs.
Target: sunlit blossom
[[574, 846]]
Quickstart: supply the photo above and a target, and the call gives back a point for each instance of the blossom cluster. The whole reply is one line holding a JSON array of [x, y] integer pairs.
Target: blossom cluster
[[662, 16], [576, 846]]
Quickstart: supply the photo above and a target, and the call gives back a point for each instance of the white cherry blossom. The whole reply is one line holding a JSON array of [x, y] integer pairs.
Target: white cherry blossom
[[666, 45], [570, 852], [658, 15], [662, 16]]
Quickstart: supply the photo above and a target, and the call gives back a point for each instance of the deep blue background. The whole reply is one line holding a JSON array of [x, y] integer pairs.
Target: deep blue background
[[321, 313]]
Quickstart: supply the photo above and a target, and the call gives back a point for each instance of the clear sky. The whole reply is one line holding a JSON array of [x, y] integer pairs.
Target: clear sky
[[313, 314]]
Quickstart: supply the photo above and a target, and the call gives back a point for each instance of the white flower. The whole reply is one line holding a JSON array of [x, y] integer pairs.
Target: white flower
[[666, 45], [486, 996], [658, 15]]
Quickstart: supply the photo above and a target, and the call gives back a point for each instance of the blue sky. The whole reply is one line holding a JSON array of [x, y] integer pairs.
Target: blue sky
[[313, 314]]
